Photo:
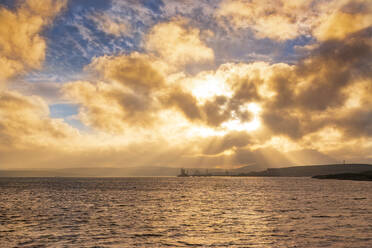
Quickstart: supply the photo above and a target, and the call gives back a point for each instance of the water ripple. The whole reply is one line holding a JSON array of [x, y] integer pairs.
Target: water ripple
[[184, 212]]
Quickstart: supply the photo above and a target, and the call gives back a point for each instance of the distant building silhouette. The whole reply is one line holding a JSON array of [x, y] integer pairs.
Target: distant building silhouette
[[183, 173]]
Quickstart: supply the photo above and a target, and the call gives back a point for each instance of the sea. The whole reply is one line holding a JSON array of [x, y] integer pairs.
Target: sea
[[185, 212]]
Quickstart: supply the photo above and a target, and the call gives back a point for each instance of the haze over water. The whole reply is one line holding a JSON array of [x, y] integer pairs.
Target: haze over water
[[184, 212]]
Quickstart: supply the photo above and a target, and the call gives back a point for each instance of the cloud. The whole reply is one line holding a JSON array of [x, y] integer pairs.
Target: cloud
[[48, 91], [214, 98], [25, 122], [125, 95], [285, 20], [355, 122], [21, 45], [110, 25], [186, 103], [137, 72], [178, 44], [352, 17], [132, 89], [279, 20], [334, 66], [214, 112], [110, 108]]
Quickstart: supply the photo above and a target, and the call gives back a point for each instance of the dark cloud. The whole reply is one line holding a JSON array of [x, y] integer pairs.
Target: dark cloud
[[215, 111], [212, 112], [356, 122], [282, 122], [332, 67], [246, 90], [356, 7], [133, 104], [185, 102], [313, 94], [135, 71]]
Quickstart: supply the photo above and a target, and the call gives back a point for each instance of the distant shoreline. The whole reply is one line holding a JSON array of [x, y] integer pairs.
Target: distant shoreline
[[364, 176], [245, 171]]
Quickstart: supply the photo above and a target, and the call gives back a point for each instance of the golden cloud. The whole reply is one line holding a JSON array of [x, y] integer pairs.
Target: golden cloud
[[283, 20], [178, 44], [25, 121], [279, 20], [125, 95], [136, 72], [21, 46], [351, 18], [110, 108]]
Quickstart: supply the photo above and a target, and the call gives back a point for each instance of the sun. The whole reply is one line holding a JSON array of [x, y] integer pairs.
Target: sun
[[208, 87], [237, 125], [232, 125]]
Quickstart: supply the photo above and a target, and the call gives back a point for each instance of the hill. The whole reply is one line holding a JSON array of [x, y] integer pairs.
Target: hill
[[312, 170]]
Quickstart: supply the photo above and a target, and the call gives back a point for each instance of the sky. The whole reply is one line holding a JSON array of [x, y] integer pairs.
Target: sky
[[209, 83]]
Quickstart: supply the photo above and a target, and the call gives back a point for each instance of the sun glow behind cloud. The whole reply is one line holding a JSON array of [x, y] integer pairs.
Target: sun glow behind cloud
[[234, 124], [207, 86], [237, 125]]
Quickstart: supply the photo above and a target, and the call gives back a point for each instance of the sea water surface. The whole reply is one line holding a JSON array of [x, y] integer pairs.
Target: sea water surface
[[185, 212]]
